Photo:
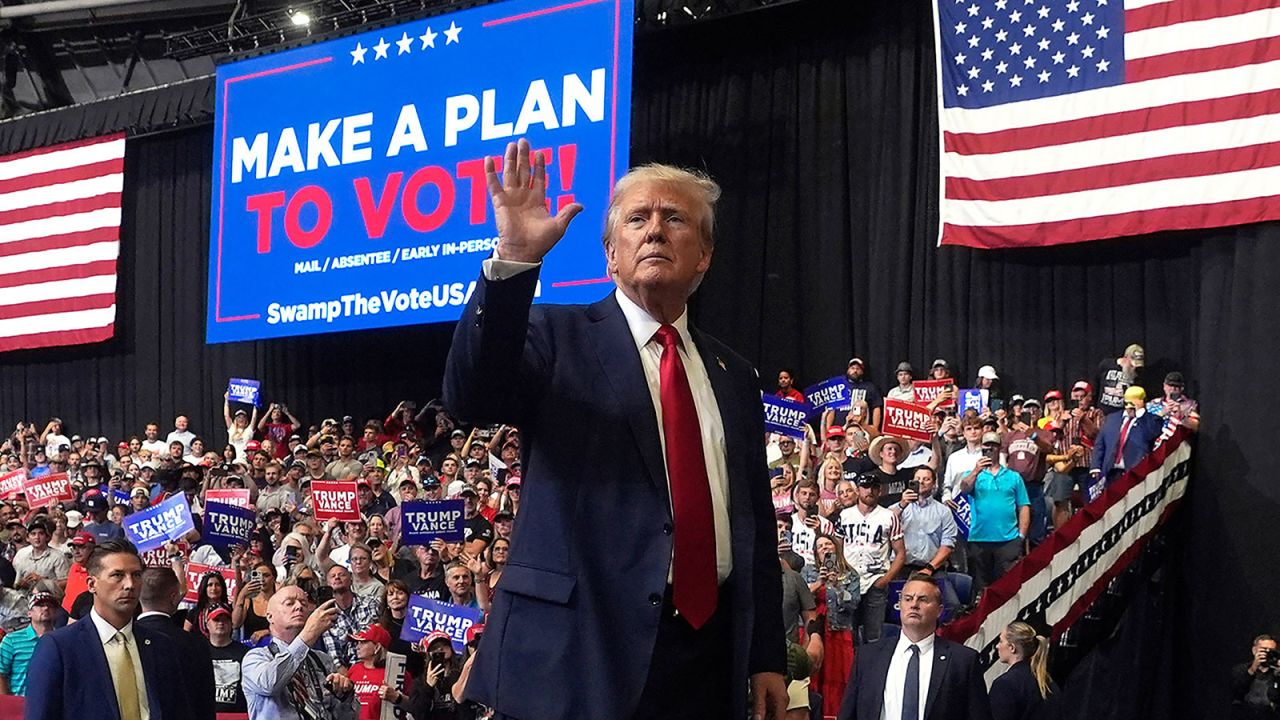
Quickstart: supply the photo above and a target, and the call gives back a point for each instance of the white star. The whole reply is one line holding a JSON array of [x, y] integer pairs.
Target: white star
[[1015, 81], [1073, 39], [1015, 49], [451, 33], [1073, 6], [1043, 44], [1073, 71], [1058, 57], [405, 43], [1002, 67], [1058, 25], [1015, 16], [428, 39], [1087, 51], [973, 11], [1103, 65], [1029, 30], [987, 22], [1001, 4], [357, 55], [1044, 76], [1001, 35], [1029, 63], [960, 28], [380, 50], [960, 58], [1102, 2], [988, 86], [1103, 32], [988, 54], [973, 41], [1043, 12], [1087, 18], [974, 72], [962, 91]]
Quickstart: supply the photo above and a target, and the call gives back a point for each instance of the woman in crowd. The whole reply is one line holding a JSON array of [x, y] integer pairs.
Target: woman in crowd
[[1021, 693], [250, 612], [395, 607], [363, 582], [836, 591], [830, 475], [370, 674], [781, 480], [430, 697], [239, 428], [212, 594], [496, 556]]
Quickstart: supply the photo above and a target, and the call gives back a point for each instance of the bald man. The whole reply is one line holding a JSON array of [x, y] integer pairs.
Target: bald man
[[287, 679]]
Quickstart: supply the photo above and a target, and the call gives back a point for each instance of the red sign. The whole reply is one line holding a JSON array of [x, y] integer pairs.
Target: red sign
[[11, 484], [238, 497], [195, 571], [928, 390], [335, 500], [907, 420], [48, 490]]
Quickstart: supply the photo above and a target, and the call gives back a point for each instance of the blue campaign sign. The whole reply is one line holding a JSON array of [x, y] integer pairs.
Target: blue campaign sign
[[226, 525], [350, 191], [119, 497], [422, 521], [785, 416], [830, 394], [159, 524], [963, 514], [974, 399], [243, 390], [425, 615]]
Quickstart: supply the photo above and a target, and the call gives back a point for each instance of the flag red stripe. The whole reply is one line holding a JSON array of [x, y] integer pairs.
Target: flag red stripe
[[1185, 62], [55, 339], [1172, 13], [1139, 222], [67, 272], [1114, 124], [1210, 162], [56, 242], [63, 175], [58, 209], [57, 305]]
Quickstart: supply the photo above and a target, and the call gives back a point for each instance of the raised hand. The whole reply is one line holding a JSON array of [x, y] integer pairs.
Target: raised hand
[[526, 231]]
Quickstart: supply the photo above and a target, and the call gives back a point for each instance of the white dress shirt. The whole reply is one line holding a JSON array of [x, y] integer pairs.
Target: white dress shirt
[[107, 631], [643, 327], [896, 680]]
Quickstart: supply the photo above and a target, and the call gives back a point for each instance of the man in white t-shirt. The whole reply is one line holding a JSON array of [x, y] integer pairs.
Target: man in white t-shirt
[[961, 462], [181, 433], [873, 545], [53, 438], [152, 443], [806, 522]]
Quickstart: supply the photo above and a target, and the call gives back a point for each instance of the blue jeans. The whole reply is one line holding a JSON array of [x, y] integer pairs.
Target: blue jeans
[[1039, 513], [869, 617]]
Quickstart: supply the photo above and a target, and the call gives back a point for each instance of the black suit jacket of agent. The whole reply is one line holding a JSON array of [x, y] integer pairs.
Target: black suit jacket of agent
[[956, 687]]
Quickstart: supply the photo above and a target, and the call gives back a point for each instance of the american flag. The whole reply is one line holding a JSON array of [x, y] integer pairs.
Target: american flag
[[59, 242], [1071, 120]]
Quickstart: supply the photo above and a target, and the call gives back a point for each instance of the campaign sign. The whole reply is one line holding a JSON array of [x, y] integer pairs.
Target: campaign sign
[[907, 420], [335, 500], [47, 489], [928, 390], [394, 677], [974, 399], [830, 394], [196, 572], [243, 390], [784, 416], [230, 496], [119, 497], [351, 172], [422, 521], [963, 513], [166, 522], [426, 615], [227, 525], [11, 484]]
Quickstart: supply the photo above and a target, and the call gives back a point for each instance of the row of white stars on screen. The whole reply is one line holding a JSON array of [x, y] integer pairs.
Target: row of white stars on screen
[[1029, 62], [1016, 80], [1030, 30], [405, 44], [1072, 6]]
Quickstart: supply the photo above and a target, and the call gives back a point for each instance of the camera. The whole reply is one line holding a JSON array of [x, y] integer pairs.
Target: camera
[[991, 453], [291, 554], [437, 657], [1271, 657], [829, 564], [913, 485]]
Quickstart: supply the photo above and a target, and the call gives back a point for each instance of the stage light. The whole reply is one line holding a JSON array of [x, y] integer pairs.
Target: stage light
[[300, 18]]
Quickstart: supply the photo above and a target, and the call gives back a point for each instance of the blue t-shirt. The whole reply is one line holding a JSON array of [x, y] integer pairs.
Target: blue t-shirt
[[15, 656], [994, 502]]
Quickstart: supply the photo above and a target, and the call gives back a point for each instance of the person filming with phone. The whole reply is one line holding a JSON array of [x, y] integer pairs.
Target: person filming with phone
[[1255, 686], [1000, 512]]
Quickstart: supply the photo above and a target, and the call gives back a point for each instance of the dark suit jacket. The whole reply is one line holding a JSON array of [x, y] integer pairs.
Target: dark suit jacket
[[1015, 695], [1142, 437], [578, 604], [956, 687], [69, 678], [197, 663]]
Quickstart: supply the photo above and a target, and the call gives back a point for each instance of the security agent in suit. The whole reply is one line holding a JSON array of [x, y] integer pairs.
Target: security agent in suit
[[160, 596], [916, 674], [107, 666], [595, 601]]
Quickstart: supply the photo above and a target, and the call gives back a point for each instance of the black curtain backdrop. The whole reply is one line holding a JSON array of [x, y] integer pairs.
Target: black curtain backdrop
[[823, 133]]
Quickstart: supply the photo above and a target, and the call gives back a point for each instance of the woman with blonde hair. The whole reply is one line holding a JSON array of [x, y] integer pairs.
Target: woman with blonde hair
[[836, 592], [830, 473], [1021, 692]]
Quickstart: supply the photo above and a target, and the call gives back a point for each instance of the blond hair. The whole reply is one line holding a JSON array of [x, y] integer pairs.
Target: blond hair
[[698, 184], [1034, 647]]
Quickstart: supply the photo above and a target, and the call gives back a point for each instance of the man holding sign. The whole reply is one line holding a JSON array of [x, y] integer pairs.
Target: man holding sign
[[679, 481]]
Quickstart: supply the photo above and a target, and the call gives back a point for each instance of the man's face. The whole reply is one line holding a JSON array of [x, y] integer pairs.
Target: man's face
[[657, 242], [345, 448], [834, 444], [80, 553], [921, 606], [449, 467], [806, 497], [1077, 396], [376, 476], [175, 450], [469, 505], [972, 433], [273, 475], [152, 431], [39, 538], [904, 378], [314, 462], [502, 527], [364, 494], [477, 451], [847, 494], [42, 613], [180, 423], [1173, 392], [784, 380], [117, 582], [339, 578], [433, 492], [356, 532], [457, 442], [288, 609], [259, 460], [927, 482], [408, 491], [869, 494], [856, 371], [787, 446], [459, 581], [18, 535], [469, 473], [890, 454]]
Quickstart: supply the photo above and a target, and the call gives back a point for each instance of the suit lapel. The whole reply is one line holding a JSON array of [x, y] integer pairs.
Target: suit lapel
[[616, 352], [150, 669], [877, 679], [722, 387], [941, 661]]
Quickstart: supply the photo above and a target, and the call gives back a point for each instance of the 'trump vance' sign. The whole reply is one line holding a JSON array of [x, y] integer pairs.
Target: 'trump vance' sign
[[422, 521]]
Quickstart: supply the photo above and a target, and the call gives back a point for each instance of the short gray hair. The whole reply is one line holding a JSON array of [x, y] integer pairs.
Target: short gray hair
[[698, 184]]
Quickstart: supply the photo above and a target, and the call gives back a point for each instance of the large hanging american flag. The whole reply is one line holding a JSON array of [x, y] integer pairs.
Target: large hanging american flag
[[1065, 121], [59, 242]]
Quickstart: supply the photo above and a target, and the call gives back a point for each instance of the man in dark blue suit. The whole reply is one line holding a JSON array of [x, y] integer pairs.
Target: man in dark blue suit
[[106, 666], [643, 580], [1125, 439], [915, 674]]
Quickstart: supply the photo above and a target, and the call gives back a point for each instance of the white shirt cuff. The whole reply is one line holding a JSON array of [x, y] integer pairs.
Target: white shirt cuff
[[495, 268]]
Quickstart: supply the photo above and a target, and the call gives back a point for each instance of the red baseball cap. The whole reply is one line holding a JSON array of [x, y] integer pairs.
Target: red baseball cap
[[835, 431], [474, 632], [435, 635], [84, 538], [252, 445], [1082, 385], [218, 612], [375, 633], [1053, 395]]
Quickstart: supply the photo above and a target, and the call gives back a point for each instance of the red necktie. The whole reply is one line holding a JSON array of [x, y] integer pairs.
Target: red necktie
[[694, 567], [1124, 435]]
